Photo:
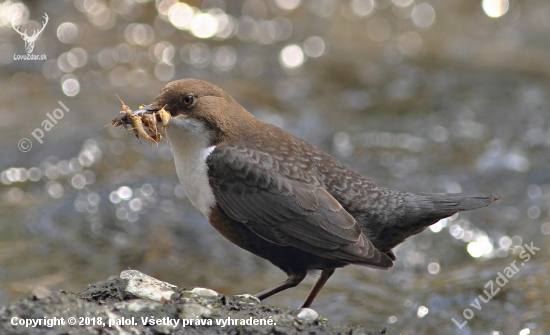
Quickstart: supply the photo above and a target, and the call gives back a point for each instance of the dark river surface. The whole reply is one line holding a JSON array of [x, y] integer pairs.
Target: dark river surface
[[418, 95]]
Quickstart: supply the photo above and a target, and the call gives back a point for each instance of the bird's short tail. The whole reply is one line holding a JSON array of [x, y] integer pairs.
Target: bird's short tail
[[416, 212], [445, 204]]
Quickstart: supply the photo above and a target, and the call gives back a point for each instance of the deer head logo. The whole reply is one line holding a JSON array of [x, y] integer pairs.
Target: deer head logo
[[30, 40]]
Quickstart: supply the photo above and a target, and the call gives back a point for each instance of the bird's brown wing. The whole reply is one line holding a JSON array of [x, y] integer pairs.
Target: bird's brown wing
[[249, 189]]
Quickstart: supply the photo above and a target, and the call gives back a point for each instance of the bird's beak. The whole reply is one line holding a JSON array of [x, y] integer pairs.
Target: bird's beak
[[143, 109]]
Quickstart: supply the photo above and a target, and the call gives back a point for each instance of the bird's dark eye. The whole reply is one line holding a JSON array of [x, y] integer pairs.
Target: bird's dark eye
[[189, 99]]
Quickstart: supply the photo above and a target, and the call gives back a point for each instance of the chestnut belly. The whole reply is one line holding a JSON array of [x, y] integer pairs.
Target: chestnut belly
[[287, 258]]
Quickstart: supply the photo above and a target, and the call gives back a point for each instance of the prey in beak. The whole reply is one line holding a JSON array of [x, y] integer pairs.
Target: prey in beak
[[144, 121]]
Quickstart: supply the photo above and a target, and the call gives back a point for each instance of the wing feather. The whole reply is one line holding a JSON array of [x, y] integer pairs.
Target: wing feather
[[250, 188]]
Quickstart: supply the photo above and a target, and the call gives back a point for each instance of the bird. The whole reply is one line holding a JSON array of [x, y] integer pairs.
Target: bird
[[283, 199]]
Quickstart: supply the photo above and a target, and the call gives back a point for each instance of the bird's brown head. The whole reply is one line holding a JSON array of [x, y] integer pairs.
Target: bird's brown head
[[198, 103]]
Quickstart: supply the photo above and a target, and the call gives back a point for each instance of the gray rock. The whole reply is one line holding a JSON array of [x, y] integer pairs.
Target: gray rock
[[113, 307], [191, 311], [143, 286], [249, 298], [138, 305]]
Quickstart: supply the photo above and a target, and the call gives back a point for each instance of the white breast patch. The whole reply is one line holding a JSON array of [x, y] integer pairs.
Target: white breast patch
[[190, 145]]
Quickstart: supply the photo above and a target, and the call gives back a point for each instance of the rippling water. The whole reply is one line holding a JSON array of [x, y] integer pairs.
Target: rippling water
[[421, 96]]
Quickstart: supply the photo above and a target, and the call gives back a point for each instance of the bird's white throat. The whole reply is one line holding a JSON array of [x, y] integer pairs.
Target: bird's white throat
[[190, 144]]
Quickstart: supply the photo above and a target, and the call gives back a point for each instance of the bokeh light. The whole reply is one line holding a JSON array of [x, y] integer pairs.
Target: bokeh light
[[402, 3], [224, 58], [292, 56], [314, 46], [68, 32], [288, 4], [423, 15], [422, 311], [136, 33], [180, 15], [362, 7], [480, 247], [77, 57], [204, 25], [434, 268], [13, 13], [70, 86], [436, 227], [525, 331], [495, 8]]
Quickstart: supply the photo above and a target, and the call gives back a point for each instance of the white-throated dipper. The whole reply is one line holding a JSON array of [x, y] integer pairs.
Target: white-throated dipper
[[283, 199]]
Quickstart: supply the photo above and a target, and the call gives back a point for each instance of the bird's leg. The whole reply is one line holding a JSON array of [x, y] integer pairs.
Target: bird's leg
[[293, 280], [325, 275]]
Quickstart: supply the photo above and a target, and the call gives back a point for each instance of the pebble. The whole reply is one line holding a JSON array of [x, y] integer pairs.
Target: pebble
[[204, 292], [307, 315], [143, 286]]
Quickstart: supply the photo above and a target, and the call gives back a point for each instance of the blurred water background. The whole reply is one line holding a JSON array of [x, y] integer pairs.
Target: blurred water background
[[418, 95]]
